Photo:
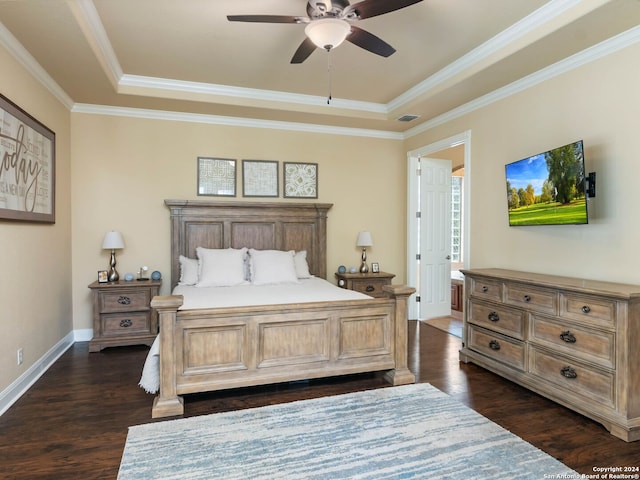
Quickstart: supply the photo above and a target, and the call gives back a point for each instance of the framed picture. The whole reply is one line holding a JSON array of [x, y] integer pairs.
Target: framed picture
[[300, 180], [216, 177], [260, 178], [27, 177], [103, 276], [375, 268]]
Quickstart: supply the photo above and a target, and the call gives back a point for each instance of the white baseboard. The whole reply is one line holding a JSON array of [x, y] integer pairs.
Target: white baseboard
[[14, 391]]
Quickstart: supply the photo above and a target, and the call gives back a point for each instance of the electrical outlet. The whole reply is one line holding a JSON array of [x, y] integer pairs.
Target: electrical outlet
[[19, 356]]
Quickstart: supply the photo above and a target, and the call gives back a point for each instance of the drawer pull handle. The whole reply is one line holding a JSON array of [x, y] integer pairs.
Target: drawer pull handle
[[568, 372], [494, 345], [527, 298], [493, 316], [586, 309], [485, 289], [568, 337], [370, 288], [126, 323], [124, 300]]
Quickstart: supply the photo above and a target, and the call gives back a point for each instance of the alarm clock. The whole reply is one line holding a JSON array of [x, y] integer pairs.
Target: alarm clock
[[128, 277], [156, 275], [342, 269]]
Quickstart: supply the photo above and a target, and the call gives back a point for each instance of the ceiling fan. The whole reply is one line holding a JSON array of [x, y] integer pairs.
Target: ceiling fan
[[330, 22]]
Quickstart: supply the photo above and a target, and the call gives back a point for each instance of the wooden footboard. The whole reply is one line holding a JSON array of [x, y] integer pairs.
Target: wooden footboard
[[207, 350]]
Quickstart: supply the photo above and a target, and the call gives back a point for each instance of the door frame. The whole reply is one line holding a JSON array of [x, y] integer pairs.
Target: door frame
[[413, 203]]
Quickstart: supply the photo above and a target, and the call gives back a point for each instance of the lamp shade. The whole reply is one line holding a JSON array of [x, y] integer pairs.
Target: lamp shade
[[327, 33], [364, 240], [112, 240]]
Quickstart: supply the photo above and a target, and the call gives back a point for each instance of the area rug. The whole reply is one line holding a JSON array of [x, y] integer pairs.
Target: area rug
[[407, 432]]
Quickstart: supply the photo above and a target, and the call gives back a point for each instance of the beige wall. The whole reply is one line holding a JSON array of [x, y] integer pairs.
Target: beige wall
[[35, 259], [598, 103], [124, 168]]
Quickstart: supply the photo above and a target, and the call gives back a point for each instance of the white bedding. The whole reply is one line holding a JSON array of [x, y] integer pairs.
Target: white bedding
[[307, 290]]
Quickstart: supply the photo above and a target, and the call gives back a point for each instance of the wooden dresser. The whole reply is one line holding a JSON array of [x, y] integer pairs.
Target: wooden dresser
[[574, 341], [122, 314]]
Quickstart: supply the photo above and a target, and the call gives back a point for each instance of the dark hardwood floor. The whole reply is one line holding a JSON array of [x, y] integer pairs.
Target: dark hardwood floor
[[72, 424]]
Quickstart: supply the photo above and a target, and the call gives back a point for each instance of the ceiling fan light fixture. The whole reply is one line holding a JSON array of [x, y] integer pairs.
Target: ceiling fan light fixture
[[327, 33]]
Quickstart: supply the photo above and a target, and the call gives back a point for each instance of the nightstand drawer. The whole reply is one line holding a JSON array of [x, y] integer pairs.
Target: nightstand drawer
[[498, 347], [125, 323], [125, 301], [370, 286]]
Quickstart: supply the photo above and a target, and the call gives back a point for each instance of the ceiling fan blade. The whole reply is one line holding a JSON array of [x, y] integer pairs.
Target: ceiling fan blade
[[370, 42], [305, 49], [373, 8], [267, 18]]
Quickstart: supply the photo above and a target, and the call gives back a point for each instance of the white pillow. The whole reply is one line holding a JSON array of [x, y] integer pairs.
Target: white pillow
[[272, 266], [188, 270], [221, 267], [302, 267]]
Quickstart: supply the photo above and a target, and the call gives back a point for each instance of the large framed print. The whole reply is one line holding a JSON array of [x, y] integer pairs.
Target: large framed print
[[27, 166]]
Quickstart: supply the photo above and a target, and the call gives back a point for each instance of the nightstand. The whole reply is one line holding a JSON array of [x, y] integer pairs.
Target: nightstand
[[122, 314], [368, 283]]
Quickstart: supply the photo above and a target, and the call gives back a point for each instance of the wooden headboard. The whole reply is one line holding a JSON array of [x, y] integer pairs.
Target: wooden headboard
[[259, 225]]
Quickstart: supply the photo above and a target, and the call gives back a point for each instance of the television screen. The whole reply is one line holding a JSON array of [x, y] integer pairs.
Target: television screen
[[548, 188]]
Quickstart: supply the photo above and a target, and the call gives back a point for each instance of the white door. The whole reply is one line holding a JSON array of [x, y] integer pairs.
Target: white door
[[435, 238]]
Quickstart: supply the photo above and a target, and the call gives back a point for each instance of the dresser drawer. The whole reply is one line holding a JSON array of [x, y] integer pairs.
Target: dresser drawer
[[496, 346], [588, 344], [591, 310], [125, 301], [499, 318], [573, 377], [532, 298], [126, 324], [486, 288]]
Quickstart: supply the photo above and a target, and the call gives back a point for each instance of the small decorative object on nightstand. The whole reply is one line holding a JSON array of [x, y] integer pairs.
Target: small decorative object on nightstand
[[122, 314], [367, 283]]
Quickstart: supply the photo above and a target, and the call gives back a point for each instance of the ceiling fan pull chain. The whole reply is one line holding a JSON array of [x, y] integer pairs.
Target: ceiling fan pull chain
[[329, 74]]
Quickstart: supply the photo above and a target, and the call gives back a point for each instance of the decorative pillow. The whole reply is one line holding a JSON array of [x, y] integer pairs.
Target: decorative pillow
[[221, 267], [302, 267], [272, 266], [188, 270]]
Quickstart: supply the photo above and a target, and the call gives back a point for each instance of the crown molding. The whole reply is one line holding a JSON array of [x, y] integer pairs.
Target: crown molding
[[232, 121]]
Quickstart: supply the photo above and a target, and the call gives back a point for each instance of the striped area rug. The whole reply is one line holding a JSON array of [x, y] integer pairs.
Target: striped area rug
[[406, 432]]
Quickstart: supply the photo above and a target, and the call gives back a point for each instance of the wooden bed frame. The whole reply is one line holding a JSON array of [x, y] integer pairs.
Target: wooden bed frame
[[215, 349]]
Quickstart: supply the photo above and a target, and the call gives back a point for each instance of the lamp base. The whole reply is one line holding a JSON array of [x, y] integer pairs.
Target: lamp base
[[364, 268], [113, 273]]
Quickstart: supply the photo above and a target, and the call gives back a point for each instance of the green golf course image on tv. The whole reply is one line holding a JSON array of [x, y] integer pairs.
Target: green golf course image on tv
[[548, 188]]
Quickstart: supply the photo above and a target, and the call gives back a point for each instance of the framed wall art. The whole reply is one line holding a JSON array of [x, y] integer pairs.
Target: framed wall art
[[216, 177], [27, 166], [260, 178], [300, 180]]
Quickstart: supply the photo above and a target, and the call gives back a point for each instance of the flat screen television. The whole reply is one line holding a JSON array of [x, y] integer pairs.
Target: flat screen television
[[548, 188]]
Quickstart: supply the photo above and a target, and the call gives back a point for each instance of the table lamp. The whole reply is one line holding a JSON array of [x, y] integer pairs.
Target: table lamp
[[364, 241], [112, 241]]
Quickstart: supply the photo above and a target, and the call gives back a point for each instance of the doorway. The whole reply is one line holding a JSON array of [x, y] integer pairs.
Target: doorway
[[432, 275]]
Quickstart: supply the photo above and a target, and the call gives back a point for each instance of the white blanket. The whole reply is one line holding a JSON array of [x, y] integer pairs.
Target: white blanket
[[308, 290]]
